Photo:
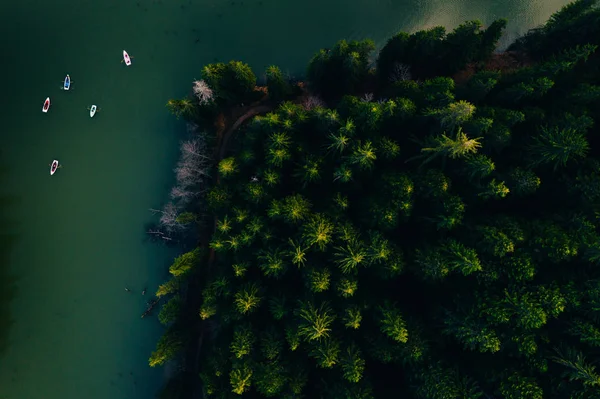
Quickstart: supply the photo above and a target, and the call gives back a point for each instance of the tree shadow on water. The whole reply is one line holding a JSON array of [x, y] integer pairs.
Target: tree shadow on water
[[7, 279]]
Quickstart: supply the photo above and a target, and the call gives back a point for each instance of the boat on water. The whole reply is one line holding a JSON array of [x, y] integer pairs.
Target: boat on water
[[53, 167], [93, 111], [46, 106], [67, 83], [126, 58]]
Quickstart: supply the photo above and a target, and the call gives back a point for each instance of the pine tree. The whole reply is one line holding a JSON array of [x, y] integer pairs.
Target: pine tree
[[272, 263], [326, 352], [243, 341], [277, 85], [389, 148], [478, 166], [170, 310], [270, 379], [318, 231], [576, 368], [186, 262], [297, 253], [295, 208], [473, 333], [431, 264], [339, 142], [169, 345], [517, 386], [494, 190], [587, 332], [352, 317], [319, 280], [449, 212], [458, 147], [392, 324], [523, 182], [227, 167], [460, 258], [557, 146], [347, 287], [310, 171], [248, 298], [232, 82], [364, 155], [353, 365], [316, 322], [350, 256], [241, 378]]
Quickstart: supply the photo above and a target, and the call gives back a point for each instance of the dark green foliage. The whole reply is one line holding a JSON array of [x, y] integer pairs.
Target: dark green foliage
[[170, 310], [167, 348], [186, 262], [557, 146], [577, 23], [185, 107], [277, 85], [432, 53], [233, 83], [519, 387], [478, 87], [341, 69], [436, 240]]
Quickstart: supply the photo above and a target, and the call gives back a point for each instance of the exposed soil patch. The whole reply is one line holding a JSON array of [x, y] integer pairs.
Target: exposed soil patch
[[506, 62]]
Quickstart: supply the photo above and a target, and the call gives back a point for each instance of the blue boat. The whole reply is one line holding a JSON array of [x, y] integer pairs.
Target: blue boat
[[67, 84]]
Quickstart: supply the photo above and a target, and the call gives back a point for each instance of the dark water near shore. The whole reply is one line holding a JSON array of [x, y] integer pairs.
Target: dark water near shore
[[70, 243]]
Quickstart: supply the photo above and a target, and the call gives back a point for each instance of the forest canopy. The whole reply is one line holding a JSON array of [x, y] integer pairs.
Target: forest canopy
[[407, 233]]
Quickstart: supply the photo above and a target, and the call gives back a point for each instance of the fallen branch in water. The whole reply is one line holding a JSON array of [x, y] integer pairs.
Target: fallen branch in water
[[151, 306]]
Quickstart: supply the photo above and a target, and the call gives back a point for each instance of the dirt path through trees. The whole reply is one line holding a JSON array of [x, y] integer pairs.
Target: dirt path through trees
[[253, 111]]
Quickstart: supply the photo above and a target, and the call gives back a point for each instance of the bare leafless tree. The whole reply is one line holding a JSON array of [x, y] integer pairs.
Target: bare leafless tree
[[190, 173], [193, 165], [195, 148], [168, 218], [400, 72], [311, 102], [367, 97], [167, 223], [203, 92], [182, 194]]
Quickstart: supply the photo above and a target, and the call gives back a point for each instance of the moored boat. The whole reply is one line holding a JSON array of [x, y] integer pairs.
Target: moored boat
[[126, 58], [53, 167], [46, 105]]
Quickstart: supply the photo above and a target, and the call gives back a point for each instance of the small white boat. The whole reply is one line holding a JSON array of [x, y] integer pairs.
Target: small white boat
[[53, 167], [93, 111], [46, 106], [67, 83], [126, 58]]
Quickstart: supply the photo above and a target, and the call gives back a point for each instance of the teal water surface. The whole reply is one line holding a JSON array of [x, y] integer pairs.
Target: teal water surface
[[71, 243]]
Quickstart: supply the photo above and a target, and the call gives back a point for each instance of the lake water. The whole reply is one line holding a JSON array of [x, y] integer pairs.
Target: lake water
[[70, 243]]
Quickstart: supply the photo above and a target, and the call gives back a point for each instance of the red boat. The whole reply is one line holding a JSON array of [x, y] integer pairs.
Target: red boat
[[46, 105]]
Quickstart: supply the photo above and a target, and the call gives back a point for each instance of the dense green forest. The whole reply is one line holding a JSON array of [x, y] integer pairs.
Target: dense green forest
[[421, 223]]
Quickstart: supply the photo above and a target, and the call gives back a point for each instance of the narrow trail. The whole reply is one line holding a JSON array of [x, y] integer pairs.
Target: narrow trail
[[259, 109]]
